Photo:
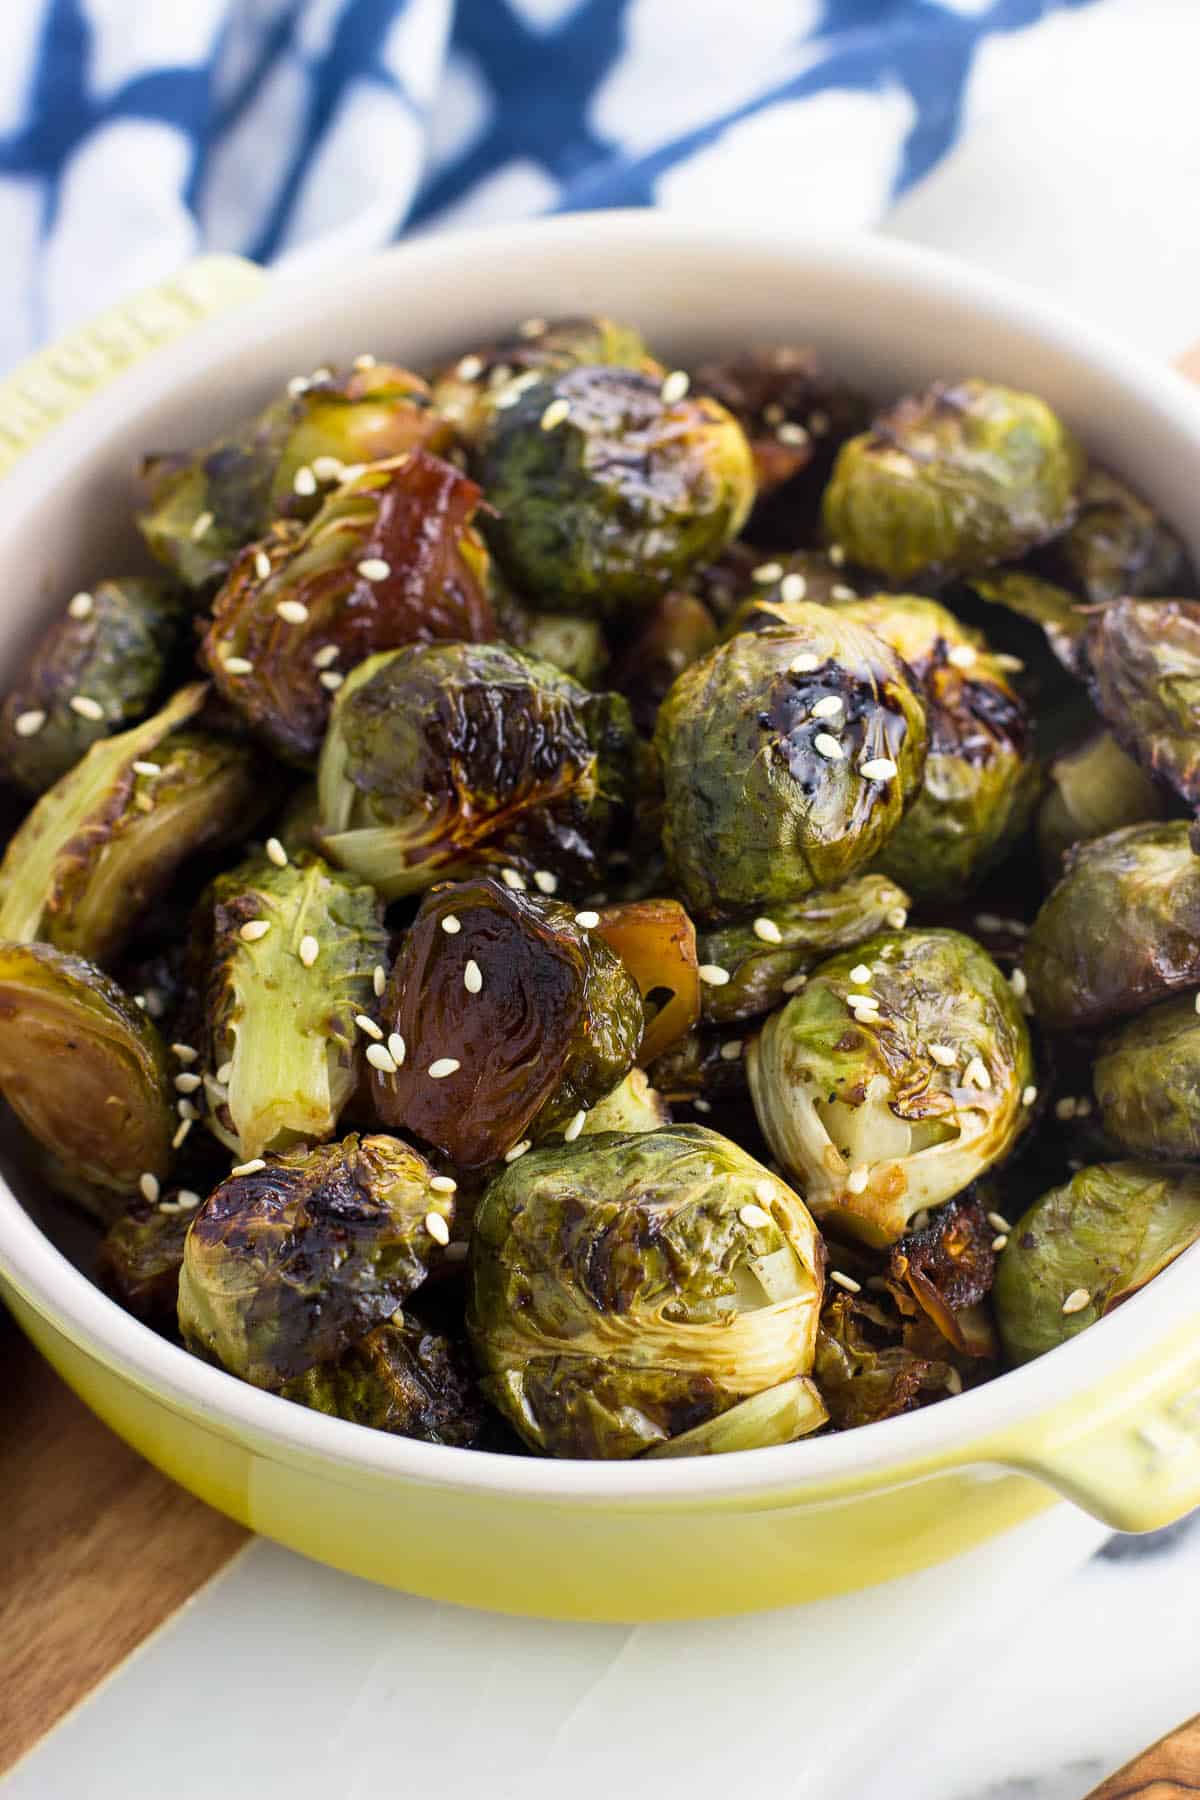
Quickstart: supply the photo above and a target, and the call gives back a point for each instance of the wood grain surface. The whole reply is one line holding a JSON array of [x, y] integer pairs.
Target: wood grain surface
[[1169, 1770]]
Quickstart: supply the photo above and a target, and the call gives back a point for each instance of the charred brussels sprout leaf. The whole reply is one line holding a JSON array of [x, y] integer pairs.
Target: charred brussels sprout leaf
[[84, 1070], [1144, 657], [104, 843], [110, 649], [633, 1106], [1061, 620], [1121, 929], [864, 1368], [293, 952], [1147, 1080], [606, 494], [893, 1079], [204, 505], [751, 968], [511, 1019], [630, 1288], [1088, 1246], [677, 632], [390, 559], [1092, 789], [402, 1378], [981, 775], [444, 758], [289, 1265], [1118, 545], [953, 480], [946, 1270], [656, 941], [788, 757]]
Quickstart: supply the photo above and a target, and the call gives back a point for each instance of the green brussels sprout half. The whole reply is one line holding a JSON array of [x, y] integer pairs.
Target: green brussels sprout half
[[1144, 658], [981, 776], [1147, 1080], [953, 480], [85, 1071], [1083, 1248], [893, 1079], [205, 505], [290, 963], [403, 1378], [289, 1264], [678, 631], [750, 968], [1118, 545], [97, 669], [633, 1287], [444, 758], [1120, 930], [391, 558], [788, 757], [505, 1019], [779, 1415], [1092, 789], [632, 1106], [108, 838], [605, 493]]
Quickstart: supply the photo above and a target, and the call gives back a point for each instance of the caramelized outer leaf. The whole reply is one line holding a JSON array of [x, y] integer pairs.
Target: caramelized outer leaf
[[948, 1269], [1144, 658], [402, 1378], [656, 941]]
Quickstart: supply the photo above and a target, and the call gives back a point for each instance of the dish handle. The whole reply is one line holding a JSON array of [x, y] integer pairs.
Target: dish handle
[[47, 387]]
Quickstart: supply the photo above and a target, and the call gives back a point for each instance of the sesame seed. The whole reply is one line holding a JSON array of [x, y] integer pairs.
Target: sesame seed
[[330, 680], [297, 385], [839, 591], [794, 983], [837, 555], [897, 918], [555, 414], [444, 1065], [1000, 1240], [28, 724], [452, 924], [732, 1050], [1083, 1107], [144, 803], [791, 433], [327, 468], [701, 1105], [943, 1054], [764, 1191], [976, 1073], [988, 922], [437, 1228], [793, 587], [308, 950], [1029, 1095], [857, 1179], [139, 1000], [1197, 1002], [304, 482], [80, 605], [187, 1083], [186, 1110], [828, 747], [998, 1222], [369, 1026], [845, 1281], [364, 361], [249, 1168], [804, 664], [877, 768], [373, 568], [954, 1383], [146, 768], [254, 929], [532, 328], [517, 1151], [572, 1130], [713, 975], [397, 1048], [238, 665], [1011, 665], [587, 919], [224, 1074], [469, 368], [545, 882], [262, 564], [1019, 984], [512, 880], [86, 707], [379, 980], [149, 1186], [381, 1059], [674, 387], [963, 656], [754, 1217], [768, 571], [826, 708], [186, 1053], [443, 1184], [473, 977], [276, 853], [768, 931], [200, 525], [181, 1131], [186, 1200], [860, 974], [1076, 1300], [1065, 1108], [292, 612]]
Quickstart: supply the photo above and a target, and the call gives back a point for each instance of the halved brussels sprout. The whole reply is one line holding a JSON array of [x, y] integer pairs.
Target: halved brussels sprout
[[1144, 657], [289, 966], [981, 775], [1121, 929], [290, 1263], [751, 967], [788, 757], [391, 558], [443, 758], [1091, 790], [893, 1079], [204, 505], [106, 841], [1083, 1248], [779, 1415], [85, 1072], [505, 1019], [403, 1378], [1147, 1080], [678, 631], [952, 480], [605, 493], [656, 941], [632, 1106], [632, 1287], [1118, 545], [97, 669]]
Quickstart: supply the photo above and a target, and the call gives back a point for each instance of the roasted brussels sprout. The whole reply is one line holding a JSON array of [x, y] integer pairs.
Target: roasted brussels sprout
[[403, 1378], [390, 559], [289, 1263], [142, 1253], [1083, 1248], [290, 966], [1121, 929], [632, 1287], [863, 1368], [678, 631], [85, 1072], [656, 941], [788, 757], [575, 646], [606, 493], [893, 1079], [1144, 657], [1118, 545], [953, 480], [1091, 790], [1147, 1080], [469, 390], [108, 838], [204, 505], [632, 1106], [97, 669], [444, 758], [981, 776], [776, 586], [505, 1018], [750, 968], [943, 1273]]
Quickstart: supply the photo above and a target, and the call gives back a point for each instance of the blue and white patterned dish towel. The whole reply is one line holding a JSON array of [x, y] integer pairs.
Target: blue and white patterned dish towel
[[135, 132]]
